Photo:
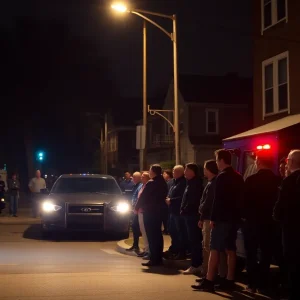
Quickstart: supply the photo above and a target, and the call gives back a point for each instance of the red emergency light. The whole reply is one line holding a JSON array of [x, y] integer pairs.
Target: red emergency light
[[264, 147]]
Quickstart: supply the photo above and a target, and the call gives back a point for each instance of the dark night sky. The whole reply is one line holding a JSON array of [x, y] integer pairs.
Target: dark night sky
[[209, 39], [79, 56]]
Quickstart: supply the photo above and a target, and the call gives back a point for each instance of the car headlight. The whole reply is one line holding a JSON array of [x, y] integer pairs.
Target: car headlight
[[121, 207], [2, 200], [49, 207]]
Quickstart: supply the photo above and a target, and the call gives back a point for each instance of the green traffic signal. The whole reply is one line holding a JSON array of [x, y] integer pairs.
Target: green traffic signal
[[40, 156]]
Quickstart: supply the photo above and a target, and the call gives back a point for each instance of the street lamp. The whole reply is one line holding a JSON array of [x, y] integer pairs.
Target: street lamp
[[119, 7], [173, 36]]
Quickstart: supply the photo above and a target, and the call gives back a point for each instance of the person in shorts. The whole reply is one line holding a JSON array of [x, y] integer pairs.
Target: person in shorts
[[225, 221]]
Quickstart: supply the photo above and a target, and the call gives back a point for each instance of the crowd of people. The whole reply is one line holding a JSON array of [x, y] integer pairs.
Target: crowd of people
[[203, 221], [36, 185]]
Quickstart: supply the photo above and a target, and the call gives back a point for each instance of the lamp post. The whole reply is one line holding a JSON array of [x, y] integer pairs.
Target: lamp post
[[173, 36]]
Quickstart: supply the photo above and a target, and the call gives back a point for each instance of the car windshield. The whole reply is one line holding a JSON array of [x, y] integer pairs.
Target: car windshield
[[101, 185]]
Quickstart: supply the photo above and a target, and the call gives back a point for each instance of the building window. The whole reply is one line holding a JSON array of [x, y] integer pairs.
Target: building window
[[276, 84], [273, 11], [212, 121]]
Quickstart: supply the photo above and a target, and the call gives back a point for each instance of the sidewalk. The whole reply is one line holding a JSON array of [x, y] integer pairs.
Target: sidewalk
[[126, 244], [24, 217]]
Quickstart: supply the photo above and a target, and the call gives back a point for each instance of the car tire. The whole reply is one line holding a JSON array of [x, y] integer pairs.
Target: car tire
[[46, 234], [240, 265]]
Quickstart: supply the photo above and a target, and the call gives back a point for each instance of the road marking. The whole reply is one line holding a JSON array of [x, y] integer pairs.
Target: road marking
[[111, 252]]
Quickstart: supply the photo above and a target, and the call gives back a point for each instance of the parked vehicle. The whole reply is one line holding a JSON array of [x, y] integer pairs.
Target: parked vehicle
[[85, 203]]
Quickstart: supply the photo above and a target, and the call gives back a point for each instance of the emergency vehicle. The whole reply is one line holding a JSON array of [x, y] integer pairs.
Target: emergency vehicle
[[278, 137]]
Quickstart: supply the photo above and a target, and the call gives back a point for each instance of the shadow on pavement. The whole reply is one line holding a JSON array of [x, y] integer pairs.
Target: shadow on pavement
[[34, 232], [162, 270]]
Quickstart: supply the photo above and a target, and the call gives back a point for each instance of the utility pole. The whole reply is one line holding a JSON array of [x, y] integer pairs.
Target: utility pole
[[176, 113], [105, 143], [143, 152], [101, 151]]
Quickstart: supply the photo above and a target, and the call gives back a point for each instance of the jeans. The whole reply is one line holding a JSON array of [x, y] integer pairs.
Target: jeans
[[166, 220], [258, 237], [153, 223], [143, 231], [136, 230], [35, 204], [13, 204], [195, 239], [178, 233]]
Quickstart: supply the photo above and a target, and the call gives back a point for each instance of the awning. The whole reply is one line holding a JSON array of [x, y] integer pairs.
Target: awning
[[268, 128]]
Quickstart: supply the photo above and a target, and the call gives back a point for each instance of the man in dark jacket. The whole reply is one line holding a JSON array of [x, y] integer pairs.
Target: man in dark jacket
[[225, 220], [205, 209], [177, 232], [189, 210], [261, 192], [286, 212], [152, 202], [168, 176], [13, 191]]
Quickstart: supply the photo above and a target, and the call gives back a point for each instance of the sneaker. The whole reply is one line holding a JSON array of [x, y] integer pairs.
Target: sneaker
[[147, 257], [192, 271], [133, 248], [205, 286], [142, 254]]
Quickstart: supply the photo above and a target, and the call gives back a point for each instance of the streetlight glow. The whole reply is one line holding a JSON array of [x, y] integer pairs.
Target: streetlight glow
[[119, 7]]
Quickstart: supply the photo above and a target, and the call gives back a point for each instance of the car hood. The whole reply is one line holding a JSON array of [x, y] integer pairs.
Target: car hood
[[85, 198]]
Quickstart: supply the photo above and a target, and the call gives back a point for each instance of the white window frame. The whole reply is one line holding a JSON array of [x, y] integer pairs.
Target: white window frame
[[274, 60], [274, 15], [216, 111]]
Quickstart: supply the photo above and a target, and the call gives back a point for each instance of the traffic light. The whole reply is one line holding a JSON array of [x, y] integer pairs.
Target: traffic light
[[40, 156]]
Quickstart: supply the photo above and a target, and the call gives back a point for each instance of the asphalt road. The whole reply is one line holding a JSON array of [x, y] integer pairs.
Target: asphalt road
[[82, 267]]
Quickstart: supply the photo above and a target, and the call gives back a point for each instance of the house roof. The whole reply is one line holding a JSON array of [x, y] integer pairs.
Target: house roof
[[268, 128], [230, 89]]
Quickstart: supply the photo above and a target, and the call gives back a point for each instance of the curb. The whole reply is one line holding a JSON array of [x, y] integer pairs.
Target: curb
[[180, 264], [19, 221]]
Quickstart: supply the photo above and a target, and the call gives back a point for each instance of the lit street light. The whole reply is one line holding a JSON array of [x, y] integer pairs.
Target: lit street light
[[173, 36], [119, 7]]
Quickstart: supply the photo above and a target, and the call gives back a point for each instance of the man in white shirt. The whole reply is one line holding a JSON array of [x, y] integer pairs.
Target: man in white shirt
[[36, 184]]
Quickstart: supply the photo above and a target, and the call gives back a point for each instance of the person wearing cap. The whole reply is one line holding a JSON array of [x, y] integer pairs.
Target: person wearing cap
[[189, 210]]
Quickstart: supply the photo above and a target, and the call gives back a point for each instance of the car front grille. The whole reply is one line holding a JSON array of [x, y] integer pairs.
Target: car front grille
[[85, 209]]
